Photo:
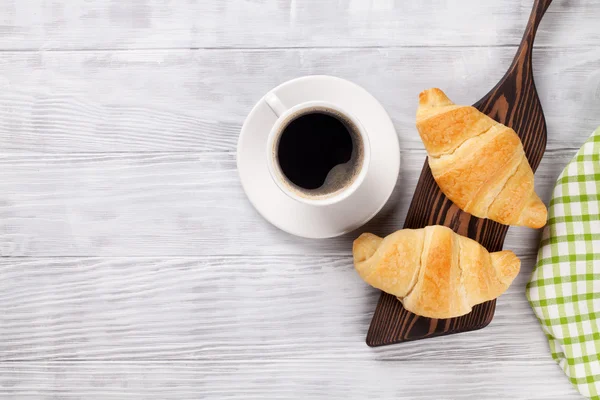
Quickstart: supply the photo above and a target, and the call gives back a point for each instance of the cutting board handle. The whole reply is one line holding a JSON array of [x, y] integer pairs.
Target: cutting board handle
[[523, 56]]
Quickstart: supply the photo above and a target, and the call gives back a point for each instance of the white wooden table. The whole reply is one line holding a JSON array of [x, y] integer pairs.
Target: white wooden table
[[132, 265]]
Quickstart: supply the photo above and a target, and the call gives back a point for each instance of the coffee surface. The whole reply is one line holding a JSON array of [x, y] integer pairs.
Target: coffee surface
[[311, 146]]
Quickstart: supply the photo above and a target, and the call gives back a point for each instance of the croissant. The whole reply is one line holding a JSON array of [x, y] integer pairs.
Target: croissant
[[433, 271], [478, 163]]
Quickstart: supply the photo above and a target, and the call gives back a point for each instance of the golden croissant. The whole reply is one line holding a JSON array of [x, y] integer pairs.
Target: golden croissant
[[433, 271], [478, 163]]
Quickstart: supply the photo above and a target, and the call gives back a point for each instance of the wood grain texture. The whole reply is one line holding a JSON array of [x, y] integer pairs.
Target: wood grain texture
[[174, 204], [110, 24], [224, 308], [513, 102], [175, 100], [128, 155], [305, 379]]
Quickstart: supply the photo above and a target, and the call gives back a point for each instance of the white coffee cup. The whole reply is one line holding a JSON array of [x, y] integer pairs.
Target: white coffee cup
[[323, 213], [342, 180]]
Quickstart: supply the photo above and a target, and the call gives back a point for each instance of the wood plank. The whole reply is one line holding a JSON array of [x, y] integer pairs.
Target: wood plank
[[175, 204], [225, 308], [286, 379], [93, 24], [197, 100]]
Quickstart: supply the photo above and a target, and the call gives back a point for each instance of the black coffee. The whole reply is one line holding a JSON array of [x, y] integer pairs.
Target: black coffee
[[319, 152]]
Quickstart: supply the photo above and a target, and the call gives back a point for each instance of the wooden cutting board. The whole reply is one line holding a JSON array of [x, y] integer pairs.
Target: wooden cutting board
[[515, 103]]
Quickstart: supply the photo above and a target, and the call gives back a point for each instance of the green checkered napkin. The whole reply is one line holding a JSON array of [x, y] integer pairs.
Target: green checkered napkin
[[565, 287]]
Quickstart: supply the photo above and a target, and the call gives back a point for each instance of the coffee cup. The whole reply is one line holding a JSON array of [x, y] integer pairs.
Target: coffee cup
[[318, 153], [318, 156]]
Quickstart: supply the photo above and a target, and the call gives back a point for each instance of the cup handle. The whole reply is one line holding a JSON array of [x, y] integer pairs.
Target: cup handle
[[275, 104]]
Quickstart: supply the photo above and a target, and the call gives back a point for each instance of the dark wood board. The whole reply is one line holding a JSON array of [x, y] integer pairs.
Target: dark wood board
[[515, 103]]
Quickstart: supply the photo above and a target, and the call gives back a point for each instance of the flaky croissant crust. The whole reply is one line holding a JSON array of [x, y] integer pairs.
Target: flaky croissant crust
[[478, 163], [433, 271]]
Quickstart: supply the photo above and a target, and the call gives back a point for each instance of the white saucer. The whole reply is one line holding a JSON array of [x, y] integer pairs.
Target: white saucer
[[306, 220]]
